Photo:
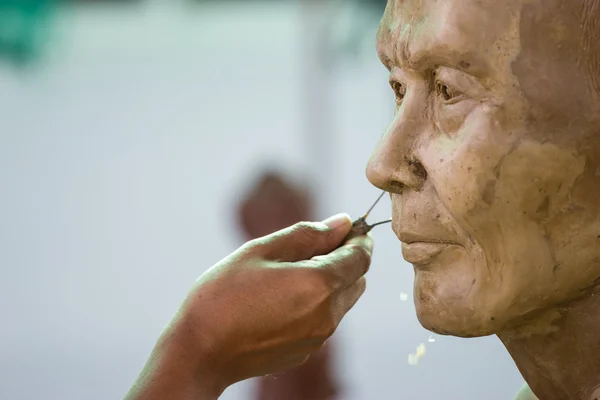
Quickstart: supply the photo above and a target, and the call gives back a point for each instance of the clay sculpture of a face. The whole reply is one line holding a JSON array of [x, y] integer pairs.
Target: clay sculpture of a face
[[492, 157]]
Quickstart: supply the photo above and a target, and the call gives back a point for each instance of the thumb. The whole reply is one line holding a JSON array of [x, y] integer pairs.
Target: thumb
[[306, 240]]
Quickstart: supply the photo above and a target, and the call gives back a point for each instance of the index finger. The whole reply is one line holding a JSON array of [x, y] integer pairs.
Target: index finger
[[348, 263]]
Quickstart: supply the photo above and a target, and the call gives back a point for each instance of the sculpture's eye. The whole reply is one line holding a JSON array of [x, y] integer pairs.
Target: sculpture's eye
[[399, 90], [445, 92]]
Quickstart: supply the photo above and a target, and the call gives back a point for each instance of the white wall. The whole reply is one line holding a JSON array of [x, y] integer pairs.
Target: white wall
[[120, 161]]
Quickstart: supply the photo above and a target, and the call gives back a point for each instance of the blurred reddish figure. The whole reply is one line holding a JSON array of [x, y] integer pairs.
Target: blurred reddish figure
[[272, 204]]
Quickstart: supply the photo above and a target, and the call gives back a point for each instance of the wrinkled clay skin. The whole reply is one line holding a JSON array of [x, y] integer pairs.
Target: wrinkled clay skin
[[492, 160]]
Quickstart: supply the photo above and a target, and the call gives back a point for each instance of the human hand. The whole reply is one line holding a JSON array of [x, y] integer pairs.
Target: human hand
[[263, 309], [276, 300]]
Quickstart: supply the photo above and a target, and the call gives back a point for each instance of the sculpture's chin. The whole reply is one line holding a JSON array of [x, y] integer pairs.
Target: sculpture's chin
[[453, 297], [457, 323]]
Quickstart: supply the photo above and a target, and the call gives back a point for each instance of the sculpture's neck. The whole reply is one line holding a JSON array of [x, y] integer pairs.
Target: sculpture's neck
[[558, 353]]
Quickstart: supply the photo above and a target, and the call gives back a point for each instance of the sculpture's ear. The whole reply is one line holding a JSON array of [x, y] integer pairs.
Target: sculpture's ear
[[526, 394]]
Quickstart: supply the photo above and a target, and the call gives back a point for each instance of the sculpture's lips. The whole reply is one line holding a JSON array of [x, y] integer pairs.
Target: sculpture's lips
[[419, 250], [420, 253]]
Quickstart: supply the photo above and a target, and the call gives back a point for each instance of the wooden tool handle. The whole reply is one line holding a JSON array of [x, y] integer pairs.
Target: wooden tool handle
[[359, 228]]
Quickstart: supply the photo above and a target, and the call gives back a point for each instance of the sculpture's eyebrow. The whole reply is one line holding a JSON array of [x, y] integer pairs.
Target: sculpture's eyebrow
[[426, 58]]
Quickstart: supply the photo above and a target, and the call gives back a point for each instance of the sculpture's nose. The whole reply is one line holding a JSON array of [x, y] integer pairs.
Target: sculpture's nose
[[394, 163]]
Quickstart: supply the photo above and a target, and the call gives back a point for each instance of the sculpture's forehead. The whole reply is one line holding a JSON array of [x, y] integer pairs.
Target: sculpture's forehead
[[467, 26], [418, 9]]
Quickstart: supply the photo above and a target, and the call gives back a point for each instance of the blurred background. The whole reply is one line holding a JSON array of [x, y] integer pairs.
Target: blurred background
[[130, 130]]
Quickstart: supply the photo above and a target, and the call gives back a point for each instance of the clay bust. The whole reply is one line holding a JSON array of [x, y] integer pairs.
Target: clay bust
[[492, 160]]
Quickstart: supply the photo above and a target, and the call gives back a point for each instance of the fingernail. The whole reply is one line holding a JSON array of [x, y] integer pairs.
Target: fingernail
[[338, 221]]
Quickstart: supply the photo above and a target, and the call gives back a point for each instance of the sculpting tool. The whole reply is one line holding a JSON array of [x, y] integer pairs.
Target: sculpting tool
[[361, 227]]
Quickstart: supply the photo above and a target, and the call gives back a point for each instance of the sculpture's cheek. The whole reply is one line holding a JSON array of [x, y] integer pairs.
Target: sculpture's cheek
[[539, 177]]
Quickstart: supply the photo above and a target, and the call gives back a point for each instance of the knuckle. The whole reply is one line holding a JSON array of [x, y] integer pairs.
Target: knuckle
[[323, 287], [325, 331], [330, 321], [314, 284], [253, 247], [304, 225], [308, 230], [330, 330], [361, 285]]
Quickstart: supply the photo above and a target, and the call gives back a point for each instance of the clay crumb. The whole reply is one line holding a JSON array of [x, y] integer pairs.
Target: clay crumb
[[403, 296], [413, 359]]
